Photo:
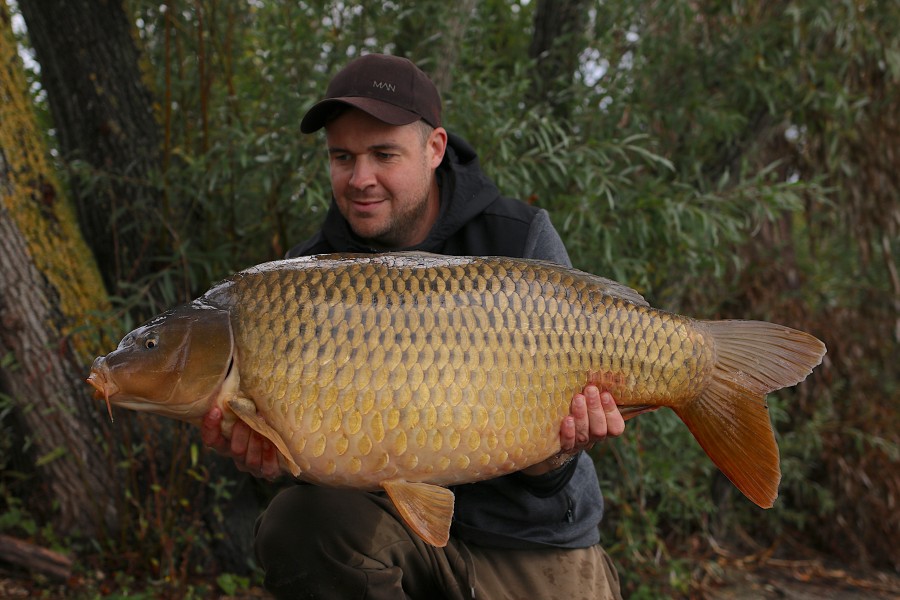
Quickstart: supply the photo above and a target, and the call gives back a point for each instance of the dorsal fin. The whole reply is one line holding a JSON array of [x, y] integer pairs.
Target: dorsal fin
[[606, 286]]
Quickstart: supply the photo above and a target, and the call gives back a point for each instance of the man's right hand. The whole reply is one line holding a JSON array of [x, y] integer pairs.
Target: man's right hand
[[251, 452]]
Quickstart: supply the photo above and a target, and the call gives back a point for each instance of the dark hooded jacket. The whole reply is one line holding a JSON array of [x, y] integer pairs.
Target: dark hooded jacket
[[562, 508]]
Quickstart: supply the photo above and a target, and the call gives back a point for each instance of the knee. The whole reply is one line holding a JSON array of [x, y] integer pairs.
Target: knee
[[320, 542], [304, 520]]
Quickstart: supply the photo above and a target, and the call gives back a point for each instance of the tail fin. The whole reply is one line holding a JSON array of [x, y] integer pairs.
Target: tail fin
[[730, 418]]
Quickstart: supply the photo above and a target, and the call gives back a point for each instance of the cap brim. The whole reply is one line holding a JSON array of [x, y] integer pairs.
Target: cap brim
[[317, 116]]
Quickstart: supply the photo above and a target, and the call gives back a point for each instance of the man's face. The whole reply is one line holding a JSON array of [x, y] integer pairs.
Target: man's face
[[382, 177]]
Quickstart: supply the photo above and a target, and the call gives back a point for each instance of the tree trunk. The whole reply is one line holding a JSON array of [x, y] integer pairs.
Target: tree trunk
[[103, 114], [452, 33], [430, 34], [556, 45], [35, 558], [48, 283]]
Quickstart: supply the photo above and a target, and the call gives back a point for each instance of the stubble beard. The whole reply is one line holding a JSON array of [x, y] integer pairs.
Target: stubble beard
[[395, 232]]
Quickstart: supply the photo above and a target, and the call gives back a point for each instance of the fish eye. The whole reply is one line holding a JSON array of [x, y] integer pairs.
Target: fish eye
[[152, 341]]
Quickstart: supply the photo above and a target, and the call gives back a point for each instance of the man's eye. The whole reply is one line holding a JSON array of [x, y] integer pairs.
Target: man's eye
[[385, 155]]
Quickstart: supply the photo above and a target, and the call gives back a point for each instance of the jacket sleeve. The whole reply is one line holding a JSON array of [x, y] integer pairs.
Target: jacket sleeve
[[505, 513], [543, 241]]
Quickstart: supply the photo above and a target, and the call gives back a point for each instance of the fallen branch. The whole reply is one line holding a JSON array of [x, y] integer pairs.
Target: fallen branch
[[803, 570], [35, 558]]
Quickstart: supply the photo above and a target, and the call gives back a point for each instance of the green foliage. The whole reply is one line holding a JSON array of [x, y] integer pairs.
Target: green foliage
[[231, 583], [647, 494], [690, 135], [15, 518]]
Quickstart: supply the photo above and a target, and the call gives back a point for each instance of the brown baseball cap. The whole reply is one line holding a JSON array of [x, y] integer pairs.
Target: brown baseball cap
[[390, 88]]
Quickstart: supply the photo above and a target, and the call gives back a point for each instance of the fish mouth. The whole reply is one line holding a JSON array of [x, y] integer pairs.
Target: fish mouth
[[103, 386]]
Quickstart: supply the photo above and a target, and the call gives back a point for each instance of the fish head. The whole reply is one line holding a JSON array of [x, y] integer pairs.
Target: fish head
[[174, 365]]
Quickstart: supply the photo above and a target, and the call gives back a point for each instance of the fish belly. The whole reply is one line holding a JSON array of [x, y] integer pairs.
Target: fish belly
[[448, 371]]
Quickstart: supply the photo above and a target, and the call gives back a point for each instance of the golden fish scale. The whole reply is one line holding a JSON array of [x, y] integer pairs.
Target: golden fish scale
[[444, 373]]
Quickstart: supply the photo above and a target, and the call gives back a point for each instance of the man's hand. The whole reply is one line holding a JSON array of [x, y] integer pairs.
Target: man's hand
[[252, 453], [594, 416]]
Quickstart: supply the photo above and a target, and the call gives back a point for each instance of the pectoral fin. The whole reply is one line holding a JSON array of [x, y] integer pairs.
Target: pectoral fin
[[427, 509], [246, 412]]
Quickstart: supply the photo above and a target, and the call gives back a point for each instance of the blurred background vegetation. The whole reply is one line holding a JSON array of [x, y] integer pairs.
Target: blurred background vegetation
[[727, 159]]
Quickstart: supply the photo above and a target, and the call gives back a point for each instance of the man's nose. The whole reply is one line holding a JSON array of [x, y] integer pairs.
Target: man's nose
[[363, 174]]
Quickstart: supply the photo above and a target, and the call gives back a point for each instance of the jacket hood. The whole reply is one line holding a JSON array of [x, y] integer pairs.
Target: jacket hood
[[465, 192]]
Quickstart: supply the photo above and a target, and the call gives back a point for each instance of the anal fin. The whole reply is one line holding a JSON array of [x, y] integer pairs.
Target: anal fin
[[630, 412], [427, 509], [246, 412]]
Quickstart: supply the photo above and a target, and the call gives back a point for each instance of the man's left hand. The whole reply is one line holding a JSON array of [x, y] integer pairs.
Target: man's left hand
[[594, 416]]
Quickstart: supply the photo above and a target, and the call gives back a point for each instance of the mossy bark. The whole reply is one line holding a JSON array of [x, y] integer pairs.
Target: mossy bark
[[51, 300], [106, 127]]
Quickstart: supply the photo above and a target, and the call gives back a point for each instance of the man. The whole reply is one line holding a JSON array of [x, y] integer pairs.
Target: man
[[401, 182]]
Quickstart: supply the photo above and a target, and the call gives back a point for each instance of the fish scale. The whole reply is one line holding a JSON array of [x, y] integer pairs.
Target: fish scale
[[409, 372], [435, 345]]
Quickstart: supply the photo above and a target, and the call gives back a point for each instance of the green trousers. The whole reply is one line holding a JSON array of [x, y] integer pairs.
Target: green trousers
[[317, 542]]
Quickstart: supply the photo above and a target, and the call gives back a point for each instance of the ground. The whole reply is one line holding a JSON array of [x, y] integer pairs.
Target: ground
[[788, 571], [729, 578], [799, 581]]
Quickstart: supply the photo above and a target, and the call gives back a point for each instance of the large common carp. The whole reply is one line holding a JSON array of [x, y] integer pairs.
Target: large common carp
[[410, 372]]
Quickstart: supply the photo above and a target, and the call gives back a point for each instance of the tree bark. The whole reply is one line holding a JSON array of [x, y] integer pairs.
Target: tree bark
[[556, 44], [103, 114], [35, 558], [451, 40], [49, 283], [431, 34]]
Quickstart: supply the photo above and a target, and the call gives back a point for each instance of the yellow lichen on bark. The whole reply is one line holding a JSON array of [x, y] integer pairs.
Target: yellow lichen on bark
[[40, 209]]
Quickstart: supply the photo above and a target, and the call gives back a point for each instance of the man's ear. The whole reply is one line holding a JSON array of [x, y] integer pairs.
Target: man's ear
[[437, 146]]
